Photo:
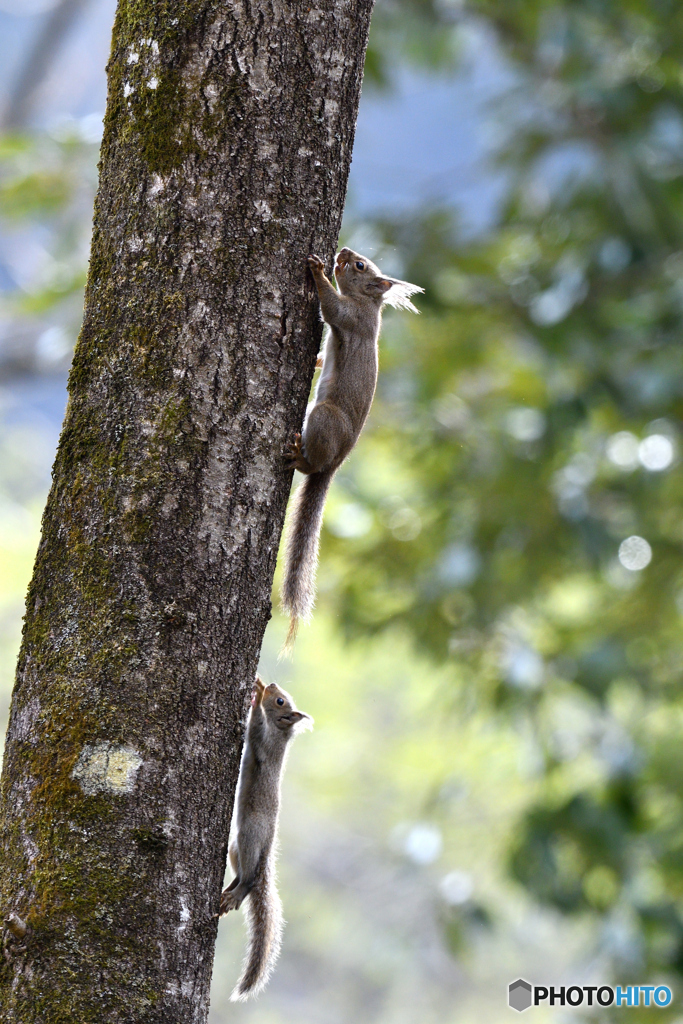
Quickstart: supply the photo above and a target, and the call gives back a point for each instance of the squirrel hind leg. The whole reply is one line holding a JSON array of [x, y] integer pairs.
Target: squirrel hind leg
[[233, 897], [229, 899], [328, 436]]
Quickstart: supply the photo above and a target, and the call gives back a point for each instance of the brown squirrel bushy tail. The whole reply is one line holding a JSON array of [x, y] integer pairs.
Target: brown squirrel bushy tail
[[301, 550], [263, 913]]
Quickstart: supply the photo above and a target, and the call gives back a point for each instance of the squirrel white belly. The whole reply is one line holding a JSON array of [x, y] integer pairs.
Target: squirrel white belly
[[342, 402], [273, 722]]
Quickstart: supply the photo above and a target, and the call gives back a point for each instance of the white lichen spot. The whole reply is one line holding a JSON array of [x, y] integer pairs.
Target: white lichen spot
[[259, 79], [169, 504], [106, 768], [267, 151], [133, 57], [332, 117], [263, 209], [158, 185], [185, 915], [153, 82], [128, 90], [336, 64], [31, 849], [211, 94], [155, 47], [200, 312]]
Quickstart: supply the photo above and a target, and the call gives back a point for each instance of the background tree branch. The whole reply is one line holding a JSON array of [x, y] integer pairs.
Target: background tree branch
[[39, 60]]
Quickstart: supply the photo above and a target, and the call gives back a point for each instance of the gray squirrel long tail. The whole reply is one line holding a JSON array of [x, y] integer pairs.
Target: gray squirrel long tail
[[263, 913], [301, 550]]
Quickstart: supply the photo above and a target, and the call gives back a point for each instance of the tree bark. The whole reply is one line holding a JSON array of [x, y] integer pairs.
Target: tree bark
[[224, 162]]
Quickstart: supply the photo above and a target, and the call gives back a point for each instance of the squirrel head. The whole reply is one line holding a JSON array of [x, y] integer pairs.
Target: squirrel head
[[358, 276], [281, 710]]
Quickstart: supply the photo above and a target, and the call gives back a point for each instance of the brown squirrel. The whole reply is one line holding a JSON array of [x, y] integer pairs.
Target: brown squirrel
[[336, 417], [273, 721]]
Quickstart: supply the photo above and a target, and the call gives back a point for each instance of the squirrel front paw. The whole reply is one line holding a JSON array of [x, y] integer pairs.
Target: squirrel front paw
[[317, 266], [259, 690]]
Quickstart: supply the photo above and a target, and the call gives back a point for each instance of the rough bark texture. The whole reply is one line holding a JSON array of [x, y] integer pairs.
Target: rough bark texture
[[224, 163]]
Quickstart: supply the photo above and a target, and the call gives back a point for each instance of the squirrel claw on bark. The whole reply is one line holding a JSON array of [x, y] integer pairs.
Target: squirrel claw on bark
[[228, 902], [259, 690], [295, 456], [316, 264], [294, 449]]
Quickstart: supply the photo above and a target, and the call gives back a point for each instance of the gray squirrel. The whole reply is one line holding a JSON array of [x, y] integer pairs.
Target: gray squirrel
[[273, 722], [336, 417]]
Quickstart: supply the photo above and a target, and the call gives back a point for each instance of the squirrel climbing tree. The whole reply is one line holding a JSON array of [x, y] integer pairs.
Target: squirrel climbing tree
[[224, 162]]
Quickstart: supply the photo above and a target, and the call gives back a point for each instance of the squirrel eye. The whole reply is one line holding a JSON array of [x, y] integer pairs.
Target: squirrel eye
[[360, 265], [280, 701]]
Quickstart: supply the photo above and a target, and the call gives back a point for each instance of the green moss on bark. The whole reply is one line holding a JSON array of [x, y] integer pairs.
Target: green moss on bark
[[75, 887]]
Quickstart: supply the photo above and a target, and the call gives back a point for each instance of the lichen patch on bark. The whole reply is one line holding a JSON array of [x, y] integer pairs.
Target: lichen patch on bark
[[106, 768]]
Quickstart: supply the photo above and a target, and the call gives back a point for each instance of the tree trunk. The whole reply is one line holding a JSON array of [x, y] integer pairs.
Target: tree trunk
[[224, 162]]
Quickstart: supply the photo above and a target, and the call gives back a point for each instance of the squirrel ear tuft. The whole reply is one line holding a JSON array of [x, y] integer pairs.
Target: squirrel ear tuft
[[301, 717], [399, 296]]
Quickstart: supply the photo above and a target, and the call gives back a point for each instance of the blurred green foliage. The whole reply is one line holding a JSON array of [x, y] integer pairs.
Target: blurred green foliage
[[47, 180], [418, 32], [516, 504]]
